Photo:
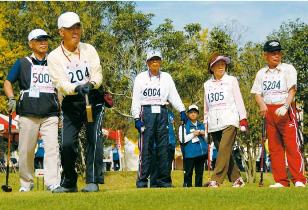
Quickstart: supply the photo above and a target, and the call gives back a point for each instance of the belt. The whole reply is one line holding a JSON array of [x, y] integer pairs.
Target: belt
[[150, 105]]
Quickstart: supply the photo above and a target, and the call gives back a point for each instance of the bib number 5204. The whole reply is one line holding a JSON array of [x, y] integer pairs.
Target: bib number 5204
[[78, 75]]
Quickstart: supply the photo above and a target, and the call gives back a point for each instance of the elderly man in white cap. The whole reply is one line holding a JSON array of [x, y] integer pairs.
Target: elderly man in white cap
[[77, 74], [152, 90], [38, 108]]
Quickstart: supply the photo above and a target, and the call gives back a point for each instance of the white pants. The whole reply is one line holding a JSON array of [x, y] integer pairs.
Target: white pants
[[29, 127]]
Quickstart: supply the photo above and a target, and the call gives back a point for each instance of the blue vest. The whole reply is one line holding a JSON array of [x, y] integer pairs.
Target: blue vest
[[196, 149], [40, 149], [115, 154]]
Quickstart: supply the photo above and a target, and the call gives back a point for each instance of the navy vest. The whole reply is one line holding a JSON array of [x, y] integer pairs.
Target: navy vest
[[196, 149], [45, 106]]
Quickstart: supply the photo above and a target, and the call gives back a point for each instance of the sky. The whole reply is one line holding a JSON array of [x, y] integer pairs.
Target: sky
[[254, 20]]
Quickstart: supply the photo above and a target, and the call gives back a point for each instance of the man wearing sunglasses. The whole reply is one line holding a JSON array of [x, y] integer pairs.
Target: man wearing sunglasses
[[152, 89], [38, 110]]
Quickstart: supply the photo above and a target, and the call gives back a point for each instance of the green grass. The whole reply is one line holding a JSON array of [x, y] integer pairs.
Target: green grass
[[119, 192]]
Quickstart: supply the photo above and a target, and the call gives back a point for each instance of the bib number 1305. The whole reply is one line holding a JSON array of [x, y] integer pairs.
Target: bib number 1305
[[215, 97], [78, 75]]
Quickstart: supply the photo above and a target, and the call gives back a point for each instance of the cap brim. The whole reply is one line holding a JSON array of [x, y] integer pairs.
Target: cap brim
[[154, 57], [42, 37], [273, 49], [71, 25], [193, 109], [219, 58]]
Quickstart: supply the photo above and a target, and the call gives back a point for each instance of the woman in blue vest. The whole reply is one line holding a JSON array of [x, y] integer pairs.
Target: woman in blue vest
[[192, 136]]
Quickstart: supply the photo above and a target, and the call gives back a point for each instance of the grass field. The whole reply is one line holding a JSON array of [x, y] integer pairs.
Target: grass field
[[119, 192]]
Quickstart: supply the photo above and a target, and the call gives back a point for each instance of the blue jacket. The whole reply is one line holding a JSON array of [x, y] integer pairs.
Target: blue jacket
[[171, 129], [196, 149], [40, 150], [115, 154]]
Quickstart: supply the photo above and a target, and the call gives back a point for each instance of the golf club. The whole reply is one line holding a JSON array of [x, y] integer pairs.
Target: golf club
[[262, 153], [6, 187]]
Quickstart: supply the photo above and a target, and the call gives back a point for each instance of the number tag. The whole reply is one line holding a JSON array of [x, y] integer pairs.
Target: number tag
[[155, 109], [34, 92]]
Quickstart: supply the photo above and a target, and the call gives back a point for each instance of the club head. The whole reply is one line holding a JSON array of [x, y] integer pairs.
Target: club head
[[260, 184], [6, 188]]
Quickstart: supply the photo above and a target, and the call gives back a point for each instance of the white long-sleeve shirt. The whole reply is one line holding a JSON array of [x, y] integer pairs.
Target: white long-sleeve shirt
[[69, 69], [188, 137], [223, 103], [154, 90]]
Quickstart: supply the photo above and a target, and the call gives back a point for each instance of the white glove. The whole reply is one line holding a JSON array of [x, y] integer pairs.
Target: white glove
[[195, 139], [243, 129], [282, 110]]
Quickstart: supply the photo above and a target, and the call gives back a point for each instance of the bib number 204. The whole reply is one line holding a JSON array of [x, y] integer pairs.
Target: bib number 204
[[78, 75]]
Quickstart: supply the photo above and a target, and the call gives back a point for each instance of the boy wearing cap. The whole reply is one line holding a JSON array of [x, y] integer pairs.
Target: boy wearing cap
[[38, 109], [275, 88], [224, 112], [195, 147], [152, 89], [77, 74]]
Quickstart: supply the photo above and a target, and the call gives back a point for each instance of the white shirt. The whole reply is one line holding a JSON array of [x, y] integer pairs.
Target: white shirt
[[188, 137], [154, 90], [274, 84], [60, 61], [223, 103]]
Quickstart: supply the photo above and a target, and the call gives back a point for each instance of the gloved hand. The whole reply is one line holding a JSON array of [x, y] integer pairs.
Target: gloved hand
[[244, 125], [11, 105], [84, 89], [282, 110], [139, 125], [183, 116]]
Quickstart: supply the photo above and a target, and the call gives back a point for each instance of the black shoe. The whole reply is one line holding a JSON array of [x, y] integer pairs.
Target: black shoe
[[91, 187], [65, 190]]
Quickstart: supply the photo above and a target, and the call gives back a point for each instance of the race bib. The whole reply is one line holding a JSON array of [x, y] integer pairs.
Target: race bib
[[155, 109], [34, 92], [78, 72], [40, 79], [216, 96], [152, 92], [274, 88]]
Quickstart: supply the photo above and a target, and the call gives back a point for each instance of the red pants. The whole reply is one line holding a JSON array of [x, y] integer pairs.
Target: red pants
[[283, 143]]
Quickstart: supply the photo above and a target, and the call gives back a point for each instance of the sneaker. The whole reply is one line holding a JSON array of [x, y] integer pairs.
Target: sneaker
[[52, 187], [299, 184], [65, 190], [27, 189], [212, 184], [276, 185], [239, 182], [91, 187]]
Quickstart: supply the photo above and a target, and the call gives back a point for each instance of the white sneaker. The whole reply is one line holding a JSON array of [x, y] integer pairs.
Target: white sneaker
[[26, 189], [276, 185], [299, 184], [239, 182], [53, 187]]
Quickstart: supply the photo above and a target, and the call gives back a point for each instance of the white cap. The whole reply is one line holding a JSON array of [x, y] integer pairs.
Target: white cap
[[226, 59], [153, 53], [68, 19], [193, 106], [37, 33]]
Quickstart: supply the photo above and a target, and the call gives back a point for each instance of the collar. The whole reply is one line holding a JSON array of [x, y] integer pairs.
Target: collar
[[69, 53], [190, 123], [151, 75], [278, 68], [216, 80], [37, 61]]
